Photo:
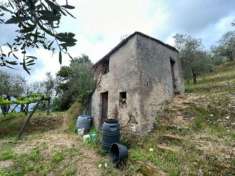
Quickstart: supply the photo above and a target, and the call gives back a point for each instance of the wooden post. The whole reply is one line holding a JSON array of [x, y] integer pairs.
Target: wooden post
[[27, 120], [48, 105], [14, 108], [26, 109]]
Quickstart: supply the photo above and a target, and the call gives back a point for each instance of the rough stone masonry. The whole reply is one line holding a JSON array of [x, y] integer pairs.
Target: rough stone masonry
[[133, 80]]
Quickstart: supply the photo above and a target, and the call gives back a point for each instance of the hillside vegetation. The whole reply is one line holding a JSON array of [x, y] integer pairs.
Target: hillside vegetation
[[222, 80], [194, 135]]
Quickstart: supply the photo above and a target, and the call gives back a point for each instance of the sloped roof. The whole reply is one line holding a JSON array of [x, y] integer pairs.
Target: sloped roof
[[106, 57]]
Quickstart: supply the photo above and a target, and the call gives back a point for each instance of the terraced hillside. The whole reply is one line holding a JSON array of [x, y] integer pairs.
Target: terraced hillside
[[195, 133], [219, 81]]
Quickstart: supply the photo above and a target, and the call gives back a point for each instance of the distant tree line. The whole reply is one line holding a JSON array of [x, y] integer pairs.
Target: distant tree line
[[196, 60]]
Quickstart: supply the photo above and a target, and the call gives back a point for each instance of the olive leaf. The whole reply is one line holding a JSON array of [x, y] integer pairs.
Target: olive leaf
[[37, 22], [60, 57]]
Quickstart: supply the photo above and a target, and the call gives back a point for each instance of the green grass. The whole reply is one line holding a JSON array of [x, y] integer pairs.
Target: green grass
[[57, 157], [35, 162], [6, 153], [167, 161], [11, 124], [221, 80], [208, 119]]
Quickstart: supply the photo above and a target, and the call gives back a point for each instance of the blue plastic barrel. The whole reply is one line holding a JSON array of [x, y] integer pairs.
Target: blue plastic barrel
[[84, 122]]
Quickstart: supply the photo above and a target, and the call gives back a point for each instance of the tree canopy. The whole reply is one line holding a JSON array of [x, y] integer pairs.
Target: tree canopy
[[11, 85], [75, 82], [226, 46], [194, 59], [37, 22]]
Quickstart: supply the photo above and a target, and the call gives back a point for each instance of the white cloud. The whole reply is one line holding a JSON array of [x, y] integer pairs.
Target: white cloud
[[214, 32], [47, 62]]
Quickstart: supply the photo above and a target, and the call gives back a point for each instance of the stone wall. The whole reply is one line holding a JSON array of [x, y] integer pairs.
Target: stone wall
[[156, 78], [122, 77]]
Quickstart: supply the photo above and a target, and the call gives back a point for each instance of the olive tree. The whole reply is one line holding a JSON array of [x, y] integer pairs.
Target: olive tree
[[226, 46], [37, 22], [195, 60], [75, 82], [11, 86]]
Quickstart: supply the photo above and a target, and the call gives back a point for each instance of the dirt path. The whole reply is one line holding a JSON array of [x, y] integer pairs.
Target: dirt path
[[87, 160]]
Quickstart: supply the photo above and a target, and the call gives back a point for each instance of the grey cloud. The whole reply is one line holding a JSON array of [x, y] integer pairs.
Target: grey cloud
[[194, 16]]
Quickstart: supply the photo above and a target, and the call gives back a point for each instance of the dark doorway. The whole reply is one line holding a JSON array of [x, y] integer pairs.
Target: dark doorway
[[104, 107], [173, 74]]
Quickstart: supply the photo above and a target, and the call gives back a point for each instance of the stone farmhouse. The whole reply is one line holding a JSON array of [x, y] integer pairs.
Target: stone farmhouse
[[133, 80]]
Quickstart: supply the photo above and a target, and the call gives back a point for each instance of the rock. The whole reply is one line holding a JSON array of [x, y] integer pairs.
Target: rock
[[171, 139], [167, 148], [6, 164], [200, 173], [148, 169]]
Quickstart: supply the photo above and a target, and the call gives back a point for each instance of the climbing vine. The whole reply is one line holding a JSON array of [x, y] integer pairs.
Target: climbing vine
[[33, 98]]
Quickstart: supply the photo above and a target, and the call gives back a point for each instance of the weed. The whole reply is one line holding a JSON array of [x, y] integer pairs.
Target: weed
[[10, 172], [69, 171], [6, 153], [199, 121], [35, 155], [71, 116], [222, 80], [165, 160], [57, 157]]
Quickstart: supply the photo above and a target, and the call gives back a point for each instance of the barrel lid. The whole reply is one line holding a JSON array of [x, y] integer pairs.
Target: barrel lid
[[111, 121], [86, 116]]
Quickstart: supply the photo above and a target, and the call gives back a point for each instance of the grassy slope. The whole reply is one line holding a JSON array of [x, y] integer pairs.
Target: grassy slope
[[194, 135], [47, 148], [40, 122], [222, 80]]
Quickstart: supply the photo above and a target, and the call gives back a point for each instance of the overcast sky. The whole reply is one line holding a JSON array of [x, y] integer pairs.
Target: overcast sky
[[101, 24]]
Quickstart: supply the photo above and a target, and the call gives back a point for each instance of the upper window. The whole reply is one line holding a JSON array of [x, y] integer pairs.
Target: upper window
[[106, 67], [122, 98]]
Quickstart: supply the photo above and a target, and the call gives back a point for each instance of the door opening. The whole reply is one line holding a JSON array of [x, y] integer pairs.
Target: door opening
[[104, 107], [173, 75]]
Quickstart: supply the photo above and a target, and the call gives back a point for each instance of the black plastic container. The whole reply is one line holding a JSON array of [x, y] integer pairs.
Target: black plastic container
[[119, 154], [110, 133]]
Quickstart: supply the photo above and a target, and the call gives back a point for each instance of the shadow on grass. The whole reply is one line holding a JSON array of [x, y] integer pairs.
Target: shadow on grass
[[40, 122]]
